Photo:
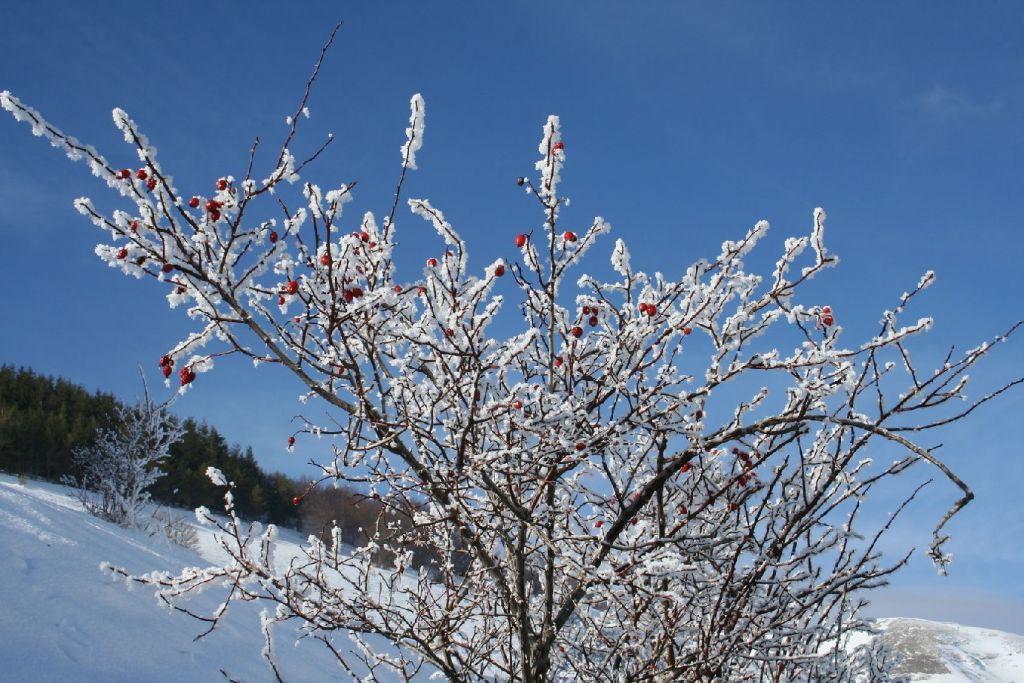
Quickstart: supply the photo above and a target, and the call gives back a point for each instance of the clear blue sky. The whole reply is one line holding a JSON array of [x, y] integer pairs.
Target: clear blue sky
[[684, 124]]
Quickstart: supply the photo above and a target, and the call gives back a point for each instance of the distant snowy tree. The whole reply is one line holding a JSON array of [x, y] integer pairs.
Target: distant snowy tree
[[639, 483], [115, 472]]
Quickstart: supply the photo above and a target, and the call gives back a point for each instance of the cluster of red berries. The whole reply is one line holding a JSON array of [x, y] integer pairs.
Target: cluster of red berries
[[213, 209], [649, 309], [748, 465], [186, 375], [166, 364], [353, 293], [141, 174], [826, 316]]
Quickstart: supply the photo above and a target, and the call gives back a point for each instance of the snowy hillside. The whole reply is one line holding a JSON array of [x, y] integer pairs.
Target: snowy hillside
[[64, 620], [949, 653]]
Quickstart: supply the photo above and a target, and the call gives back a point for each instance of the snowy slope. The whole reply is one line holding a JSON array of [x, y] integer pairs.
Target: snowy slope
[[62, 619], [949, 653]]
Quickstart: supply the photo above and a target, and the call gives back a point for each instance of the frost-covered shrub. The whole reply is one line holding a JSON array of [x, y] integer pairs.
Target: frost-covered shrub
[[601, 504], [114, 473]]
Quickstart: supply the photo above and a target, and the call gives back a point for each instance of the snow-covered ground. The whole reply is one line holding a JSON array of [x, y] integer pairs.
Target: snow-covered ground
[[950, 653], [62, 619]]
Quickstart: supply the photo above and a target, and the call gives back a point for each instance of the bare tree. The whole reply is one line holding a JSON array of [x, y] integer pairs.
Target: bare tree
[[115, 472], [624, 515]]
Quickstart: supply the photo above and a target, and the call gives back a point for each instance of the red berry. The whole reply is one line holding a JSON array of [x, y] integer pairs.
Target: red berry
[[124, 174], [325, 259], [686, 467], [187, 376], [222, 184], [167, 267], [296, 500], [291, 441], [122, 254], [826, 309], [449, 332], [558, 146], [398, 288], [421, 290], [828, 320], [167, 371], [577, 331], [682, 509], [687, 330], [586, 310], [273, 237], [364, 236], [580, 445], [699, 414], [180, 290], [558, 361], [499, 271], [593, 321], [194, 202], [215, 215], [373, 245], [212, 205], [432, 262], [347, 295], [520, 240], [357, 292], [651, 310], [633, 521], [569, 236], [135, 226], [141, 174], [280, 300], [517, 404], [165, 361], [292, 287], [599, 524], [151, 184]]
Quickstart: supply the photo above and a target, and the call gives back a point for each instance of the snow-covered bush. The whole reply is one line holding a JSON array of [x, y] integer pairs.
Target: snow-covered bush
[[178, 530], [114, 473], [603, 506]]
